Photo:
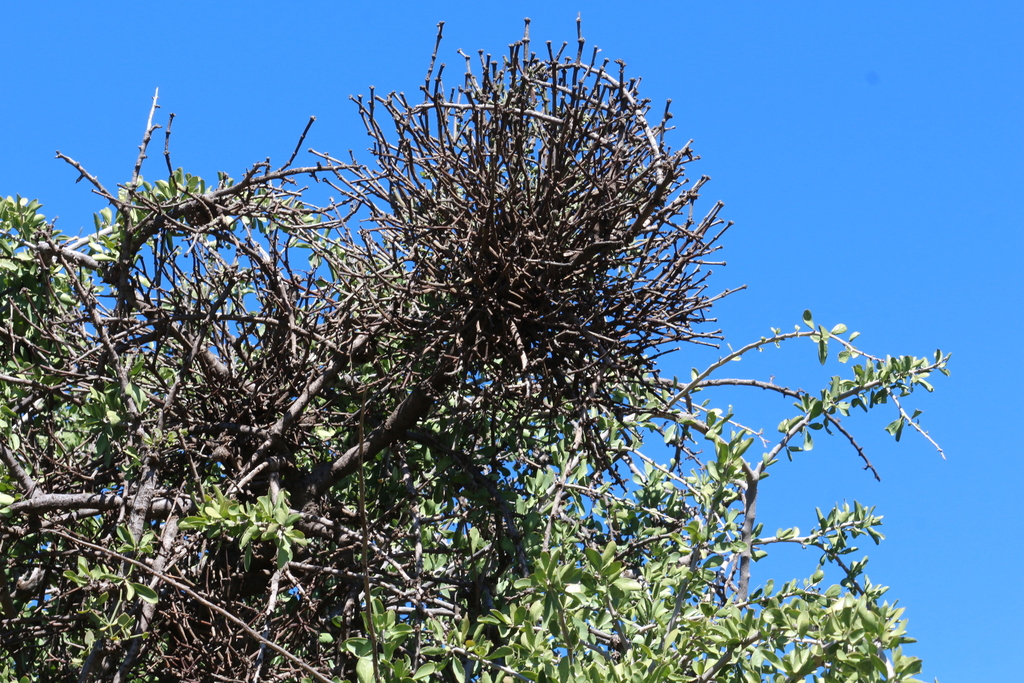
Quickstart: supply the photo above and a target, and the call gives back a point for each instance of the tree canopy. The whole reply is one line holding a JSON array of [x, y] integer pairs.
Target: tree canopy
[[417, 430]]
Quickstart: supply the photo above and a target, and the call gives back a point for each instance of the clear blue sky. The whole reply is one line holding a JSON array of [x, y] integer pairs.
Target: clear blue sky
[[870, 154]]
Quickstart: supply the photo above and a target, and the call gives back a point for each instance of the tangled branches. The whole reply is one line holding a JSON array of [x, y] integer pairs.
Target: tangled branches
[[526, 248], [545, 227], [239, 429]]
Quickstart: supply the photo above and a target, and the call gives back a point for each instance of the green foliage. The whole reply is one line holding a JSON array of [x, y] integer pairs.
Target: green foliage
[[230, 423], [265, 520]]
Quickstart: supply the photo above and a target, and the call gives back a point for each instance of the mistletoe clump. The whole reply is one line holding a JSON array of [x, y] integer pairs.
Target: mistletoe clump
[[545, 225]]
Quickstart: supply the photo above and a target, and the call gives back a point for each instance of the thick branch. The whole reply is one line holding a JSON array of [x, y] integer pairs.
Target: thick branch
[[415, 406], [753, 476], [28, 485]]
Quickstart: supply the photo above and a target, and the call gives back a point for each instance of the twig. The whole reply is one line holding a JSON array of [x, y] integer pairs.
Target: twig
[[298, 145], [150, 127], [167, 146], [915, 425], [696, 381], [268, 613], [102, 191]]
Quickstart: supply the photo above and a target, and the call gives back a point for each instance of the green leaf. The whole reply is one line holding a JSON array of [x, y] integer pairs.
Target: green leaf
[[713, 561], [364, 670], [137, 395], [296, 536], [498, 653], [896, 428], [145, 592], [247, 535], [670, 433], [609, 552], [192, 523], [284, 553], [459, 670], [360, 647], [427, 669], [808, 319], [627, 585]]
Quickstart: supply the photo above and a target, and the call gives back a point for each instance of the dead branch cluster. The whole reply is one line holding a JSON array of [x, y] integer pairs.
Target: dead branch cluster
[[544, 228], [520, 251]]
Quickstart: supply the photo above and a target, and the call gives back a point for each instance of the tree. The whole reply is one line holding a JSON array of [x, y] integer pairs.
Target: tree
[[400, 434]]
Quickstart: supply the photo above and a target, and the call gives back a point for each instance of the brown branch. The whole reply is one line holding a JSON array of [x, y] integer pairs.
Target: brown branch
[[298, 145], [167, 145], [415, 406], [28, 485], [102, 191]]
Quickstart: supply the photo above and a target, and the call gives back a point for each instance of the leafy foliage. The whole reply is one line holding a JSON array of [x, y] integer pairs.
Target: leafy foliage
[[417, 433]]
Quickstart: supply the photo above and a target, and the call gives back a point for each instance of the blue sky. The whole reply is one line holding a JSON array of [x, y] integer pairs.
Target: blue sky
[[870, 154]]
